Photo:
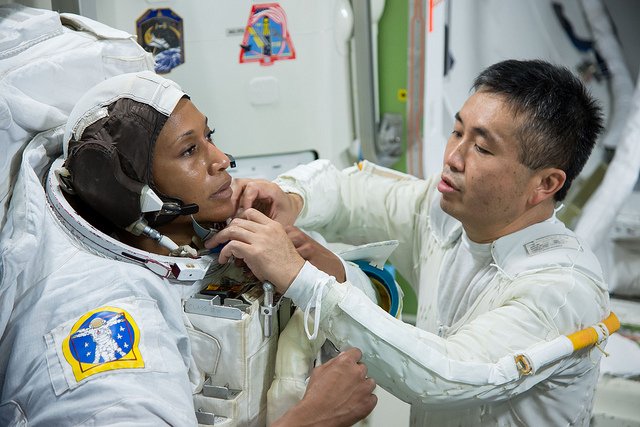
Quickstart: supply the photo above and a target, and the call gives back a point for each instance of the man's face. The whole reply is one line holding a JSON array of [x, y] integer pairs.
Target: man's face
[[483, 184], [187, 165]]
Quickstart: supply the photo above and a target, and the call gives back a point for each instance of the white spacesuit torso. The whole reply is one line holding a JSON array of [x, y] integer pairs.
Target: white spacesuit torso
[[94, 331], [106, 340]]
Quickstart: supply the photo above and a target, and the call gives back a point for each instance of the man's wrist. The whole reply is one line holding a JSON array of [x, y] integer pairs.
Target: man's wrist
[[301, 290], [290, 275], [297, 203]]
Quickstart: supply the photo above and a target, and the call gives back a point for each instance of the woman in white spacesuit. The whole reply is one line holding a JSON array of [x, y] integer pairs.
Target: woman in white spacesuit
[[167, 335], [500, 280]]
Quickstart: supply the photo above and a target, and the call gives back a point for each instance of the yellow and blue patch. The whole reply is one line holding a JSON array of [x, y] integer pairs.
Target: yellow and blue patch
[[266, 37], [103, 339]]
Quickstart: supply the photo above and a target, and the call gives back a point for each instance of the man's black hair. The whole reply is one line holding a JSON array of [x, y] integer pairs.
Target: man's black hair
[[559, 120]]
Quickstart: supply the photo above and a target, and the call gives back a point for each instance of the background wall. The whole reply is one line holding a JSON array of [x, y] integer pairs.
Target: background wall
[[392, 69]]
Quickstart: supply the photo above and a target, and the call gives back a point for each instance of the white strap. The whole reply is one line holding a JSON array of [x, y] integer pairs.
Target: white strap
[[318, 288]]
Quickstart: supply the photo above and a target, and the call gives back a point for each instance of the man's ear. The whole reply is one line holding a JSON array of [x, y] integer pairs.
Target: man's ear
[[548, 182]]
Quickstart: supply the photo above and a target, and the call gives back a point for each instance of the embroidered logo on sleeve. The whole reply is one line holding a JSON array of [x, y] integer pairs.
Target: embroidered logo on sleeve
[[103, 339]]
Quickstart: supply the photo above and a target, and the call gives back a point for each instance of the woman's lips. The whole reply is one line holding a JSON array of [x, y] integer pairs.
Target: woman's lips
[[223, 192]]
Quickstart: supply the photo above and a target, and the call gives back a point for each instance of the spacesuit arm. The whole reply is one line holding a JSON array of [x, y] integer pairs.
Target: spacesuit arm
[[474, 364], [363, 204]]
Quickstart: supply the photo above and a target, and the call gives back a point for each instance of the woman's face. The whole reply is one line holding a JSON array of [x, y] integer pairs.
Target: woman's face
[[187, 165]]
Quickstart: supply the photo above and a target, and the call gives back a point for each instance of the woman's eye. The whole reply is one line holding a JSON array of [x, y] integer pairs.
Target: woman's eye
[[456, 133], [210, 135], [189, 151]]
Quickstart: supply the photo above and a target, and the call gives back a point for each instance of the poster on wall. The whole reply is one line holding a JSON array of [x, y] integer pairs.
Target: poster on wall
[[266, 37], [160, 32]]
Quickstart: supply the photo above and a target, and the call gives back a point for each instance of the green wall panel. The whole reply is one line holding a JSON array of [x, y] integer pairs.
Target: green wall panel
[[392, 81]]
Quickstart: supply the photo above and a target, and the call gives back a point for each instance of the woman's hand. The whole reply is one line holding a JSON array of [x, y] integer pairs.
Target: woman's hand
[[268, 198], [339, 394]]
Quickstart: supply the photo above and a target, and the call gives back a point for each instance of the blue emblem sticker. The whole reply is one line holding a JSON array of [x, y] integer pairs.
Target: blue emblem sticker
[[160, 31], [102, 340], [266, 38]]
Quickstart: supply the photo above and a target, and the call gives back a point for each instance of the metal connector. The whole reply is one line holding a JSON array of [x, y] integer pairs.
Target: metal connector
[[268, 308]]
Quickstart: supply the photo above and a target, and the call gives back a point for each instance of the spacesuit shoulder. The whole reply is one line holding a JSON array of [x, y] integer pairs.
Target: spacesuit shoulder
[[542, 245]]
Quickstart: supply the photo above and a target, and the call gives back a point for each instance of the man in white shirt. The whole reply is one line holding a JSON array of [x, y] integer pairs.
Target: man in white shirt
[[498, 277]]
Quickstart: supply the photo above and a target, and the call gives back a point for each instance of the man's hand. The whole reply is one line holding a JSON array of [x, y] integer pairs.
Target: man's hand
[[268, 198], [264, 246], [339, 394], [312, 251]]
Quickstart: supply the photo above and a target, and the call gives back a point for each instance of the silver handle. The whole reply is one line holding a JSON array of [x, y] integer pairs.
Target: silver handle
[[268, 308]]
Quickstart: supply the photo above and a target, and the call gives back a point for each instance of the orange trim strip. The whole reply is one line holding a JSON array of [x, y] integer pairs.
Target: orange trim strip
[[589, 336]]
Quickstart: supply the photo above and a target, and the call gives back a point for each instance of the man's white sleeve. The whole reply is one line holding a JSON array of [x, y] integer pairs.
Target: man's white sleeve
[[474, 364], [357, 206]]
